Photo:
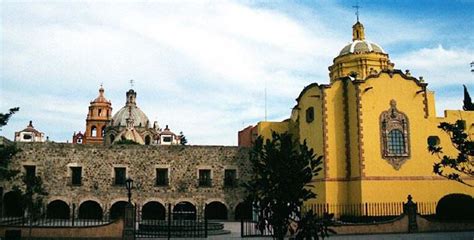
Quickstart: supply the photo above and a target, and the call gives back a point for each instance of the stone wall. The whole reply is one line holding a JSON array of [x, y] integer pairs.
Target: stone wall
[[112, 231], [53, 162]]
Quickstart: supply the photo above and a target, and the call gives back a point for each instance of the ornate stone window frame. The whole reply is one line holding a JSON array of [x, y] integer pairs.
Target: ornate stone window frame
[[391, 120]]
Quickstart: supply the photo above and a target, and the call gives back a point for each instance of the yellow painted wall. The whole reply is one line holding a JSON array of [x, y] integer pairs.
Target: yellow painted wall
[[265, 128], [347, 120]]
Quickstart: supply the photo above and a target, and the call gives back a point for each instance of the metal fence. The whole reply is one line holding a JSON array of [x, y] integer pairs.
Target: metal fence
[[45, 221], [353, 212], [368, 209], [177, 224]]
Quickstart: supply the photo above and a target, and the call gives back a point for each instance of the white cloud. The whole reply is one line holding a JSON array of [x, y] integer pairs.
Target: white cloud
[[200, 67]]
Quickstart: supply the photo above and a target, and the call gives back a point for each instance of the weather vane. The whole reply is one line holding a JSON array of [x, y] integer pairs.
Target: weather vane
[[131, 83], [357, 10]]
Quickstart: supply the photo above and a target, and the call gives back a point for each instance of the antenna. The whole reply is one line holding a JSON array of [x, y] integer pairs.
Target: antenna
[[131, 83], [265, 100], [357, 10]]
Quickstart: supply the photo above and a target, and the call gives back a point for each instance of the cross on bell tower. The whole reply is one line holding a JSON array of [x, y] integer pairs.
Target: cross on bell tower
[[357, 10]]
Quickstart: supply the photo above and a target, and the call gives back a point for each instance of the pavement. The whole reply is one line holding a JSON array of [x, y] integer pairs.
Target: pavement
[[234, 227]]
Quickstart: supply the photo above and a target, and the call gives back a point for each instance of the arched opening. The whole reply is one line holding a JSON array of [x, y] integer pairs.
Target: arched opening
[[57, 210], [94, 131], [103, 131], [118, 210], [184, 211], [153, 211], [90, 210], [455, 207], [216, 210], [12, 204], [147, 140], [243, 210]]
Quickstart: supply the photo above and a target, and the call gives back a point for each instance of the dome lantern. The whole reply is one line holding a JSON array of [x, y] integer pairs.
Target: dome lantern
[[358, 31], [360, 57]]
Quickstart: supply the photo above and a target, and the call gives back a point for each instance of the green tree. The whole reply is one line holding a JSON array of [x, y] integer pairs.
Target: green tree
[[183, 141], [282, 173], [7, 150], [455, 167]]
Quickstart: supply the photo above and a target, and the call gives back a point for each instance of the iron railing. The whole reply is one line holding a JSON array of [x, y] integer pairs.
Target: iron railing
[[45, 221], [182, 224]]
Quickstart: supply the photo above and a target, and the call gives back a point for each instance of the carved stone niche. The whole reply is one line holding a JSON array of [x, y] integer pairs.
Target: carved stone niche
[[394, 136]]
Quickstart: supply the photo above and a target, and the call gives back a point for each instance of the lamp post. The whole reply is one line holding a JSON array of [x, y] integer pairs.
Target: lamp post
[[129, 186], [129, 220]]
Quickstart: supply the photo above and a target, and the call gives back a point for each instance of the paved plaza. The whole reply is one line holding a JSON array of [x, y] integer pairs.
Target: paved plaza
[[234, 227]]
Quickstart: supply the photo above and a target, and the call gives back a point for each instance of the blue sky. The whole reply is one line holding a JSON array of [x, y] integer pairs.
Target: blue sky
[[201, 67]]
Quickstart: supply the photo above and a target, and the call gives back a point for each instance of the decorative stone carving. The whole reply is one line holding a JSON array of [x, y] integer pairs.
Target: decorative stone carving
[[394, 134]]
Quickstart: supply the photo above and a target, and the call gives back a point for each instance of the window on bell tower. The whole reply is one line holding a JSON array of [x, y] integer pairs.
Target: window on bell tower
[[93, 131]]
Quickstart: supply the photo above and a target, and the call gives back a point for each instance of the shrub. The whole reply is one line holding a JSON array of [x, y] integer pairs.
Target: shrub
[[455, 207]]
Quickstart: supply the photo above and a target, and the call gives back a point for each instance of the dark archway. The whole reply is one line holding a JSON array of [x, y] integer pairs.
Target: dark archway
[[147, 140], [57, 210], [455, 207], [90, 210], [184, 211], [243, 210], [118, 210], [153, 211], [12, 204], [216, 210]]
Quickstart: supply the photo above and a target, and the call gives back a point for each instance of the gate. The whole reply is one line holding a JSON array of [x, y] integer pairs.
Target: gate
[[175, 224]]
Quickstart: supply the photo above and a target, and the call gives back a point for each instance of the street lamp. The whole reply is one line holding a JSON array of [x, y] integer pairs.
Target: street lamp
[[129, 186]]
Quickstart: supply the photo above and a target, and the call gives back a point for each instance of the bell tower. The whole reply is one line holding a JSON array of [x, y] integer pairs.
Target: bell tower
[[100, 114]]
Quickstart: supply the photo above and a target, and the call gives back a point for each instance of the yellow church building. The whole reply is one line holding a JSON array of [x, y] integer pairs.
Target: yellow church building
[[372, 123]]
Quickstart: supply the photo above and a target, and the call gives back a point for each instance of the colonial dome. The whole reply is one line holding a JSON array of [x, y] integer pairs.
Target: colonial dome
[[361, 46], [130, 111], [100, 98], [360, 58]]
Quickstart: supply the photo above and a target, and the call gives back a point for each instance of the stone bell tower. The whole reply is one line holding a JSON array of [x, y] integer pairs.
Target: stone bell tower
[[100, 114]]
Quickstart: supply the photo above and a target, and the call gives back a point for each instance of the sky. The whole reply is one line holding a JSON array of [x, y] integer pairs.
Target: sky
[[202, 67]]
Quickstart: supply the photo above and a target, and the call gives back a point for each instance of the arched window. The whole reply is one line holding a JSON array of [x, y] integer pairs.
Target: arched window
[[396, 142], [103, 131], [93, 131], [394, 134]]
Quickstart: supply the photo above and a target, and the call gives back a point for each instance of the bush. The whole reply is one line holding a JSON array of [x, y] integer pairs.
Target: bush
[[455, 207]]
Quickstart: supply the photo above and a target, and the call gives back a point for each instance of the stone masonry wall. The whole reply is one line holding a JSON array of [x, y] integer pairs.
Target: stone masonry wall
[[53, 162]]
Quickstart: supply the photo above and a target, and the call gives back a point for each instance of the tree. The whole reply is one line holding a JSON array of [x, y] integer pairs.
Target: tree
[[7, 151], [454, 167], [182, 139], [4, 117], [31, 191], [282, 172]]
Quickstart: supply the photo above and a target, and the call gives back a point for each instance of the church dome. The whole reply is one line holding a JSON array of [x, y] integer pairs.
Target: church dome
[[101, 98], [360, 58], [361, 46], [130, 111]]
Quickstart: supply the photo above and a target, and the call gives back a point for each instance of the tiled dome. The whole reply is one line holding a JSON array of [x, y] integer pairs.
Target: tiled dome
[[361, 46], [130, 110]]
